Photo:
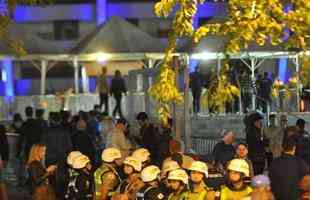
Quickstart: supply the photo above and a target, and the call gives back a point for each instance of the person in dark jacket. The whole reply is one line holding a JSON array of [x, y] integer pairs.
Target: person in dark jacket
[[4, 146], [286, 171], [256, 142], [57, 140], [17, 123], [29, 134], [302, 139], [196, 84], [82, 142], [4, 151], [117, 89], [224, 151], [41, 122], [150, 137]]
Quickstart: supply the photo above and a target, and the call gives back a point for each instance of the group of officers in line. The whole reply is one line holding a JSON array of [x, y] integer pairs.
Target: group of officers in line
[[135, 178]]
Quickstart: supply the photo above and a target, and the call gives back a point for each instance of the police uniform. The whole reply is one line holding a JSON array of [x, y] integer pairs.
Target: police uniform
[[80, 187], [149, 192], [200, 193], [180, 196], [166, 190], [71, 185], [107, 175], [229, 193]]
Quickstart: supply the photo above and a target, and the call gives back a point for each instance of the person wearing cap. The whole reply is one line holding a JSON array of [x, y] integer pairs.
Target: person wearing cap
[[80, 186], [286, 171], [224, 151], [261, 182], [132, 184], [143, 155], [256, 142], [178, 181], [261, 189], [167, 166], [150, 191], [242, 153], [107, 177], [235, 188], [198, 188], [117, 138]]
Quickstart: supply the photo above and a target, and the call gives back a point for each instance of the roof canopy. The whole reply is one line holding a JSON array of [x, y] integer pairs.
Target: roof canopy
[[118, 36]]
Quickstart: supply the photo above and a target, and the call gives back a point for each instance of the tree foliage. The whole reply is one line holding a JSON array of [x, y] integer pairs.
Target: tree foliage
[[261, 22], [164, 90], [248, 21]]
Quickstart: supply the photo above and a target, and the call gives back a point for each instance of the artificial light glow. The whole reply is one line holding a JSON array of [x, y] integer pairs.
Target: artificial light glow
[[204, 56], [101, 57]]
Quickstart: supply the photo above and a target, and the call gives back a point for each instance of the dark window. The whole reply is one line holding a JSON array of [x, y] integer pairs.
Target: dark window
[[66, 30], [134, 21]]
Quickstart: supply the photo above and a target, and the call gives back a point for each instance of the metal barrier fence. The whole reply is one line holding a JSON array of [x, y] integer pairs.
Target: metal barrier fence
[[203, 145]]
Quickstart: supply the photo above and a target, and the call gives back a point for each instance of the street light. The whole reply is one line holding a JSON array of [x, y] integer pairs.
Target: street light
[[204, 56], [101, 57]]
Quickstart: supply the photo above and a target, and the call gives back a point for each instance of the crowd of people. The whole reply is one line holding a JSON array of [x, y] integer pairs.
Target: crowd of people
[[261, 87], [92, 156]]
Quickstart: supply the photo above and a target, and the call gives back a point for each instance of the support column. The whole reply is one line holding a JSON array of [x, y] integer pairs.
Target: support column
[[146, 86], [85, 80], [176, 116], [76, 75], [187, 118], [253, 81], [43, 76], [298, 85]]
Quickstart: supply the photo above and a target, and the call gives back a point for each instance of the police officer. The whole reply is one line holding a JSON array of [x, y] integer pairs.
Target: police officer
[[107, 177], [70, 172], [130, 186], [178, 180], [167, 166], [144, 155], [198, 189], [236, 189], [80, 185], [71, 157], [150, 191]]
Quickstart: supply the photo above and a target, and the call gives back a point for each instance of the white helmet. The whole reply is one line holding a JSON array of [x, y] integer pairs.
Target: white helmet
[[179, 175], [111, 154], [199, 167], [142, 154], [168, 166], [80, 162], [133, 162], [72, 155], [239, 165], [150, 173]]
